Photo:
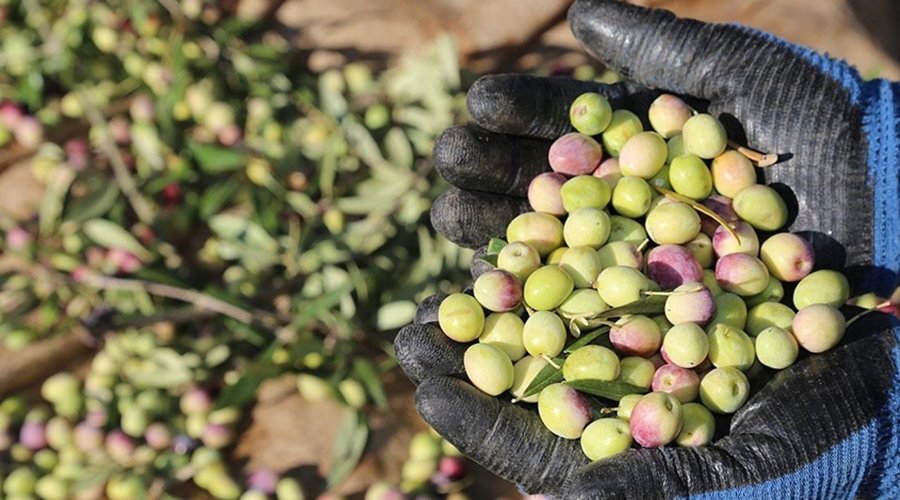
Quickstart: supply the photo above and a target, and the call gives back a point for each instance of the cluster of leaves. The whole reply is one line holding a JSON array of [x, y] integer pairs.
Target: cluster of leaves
[[197, 176]]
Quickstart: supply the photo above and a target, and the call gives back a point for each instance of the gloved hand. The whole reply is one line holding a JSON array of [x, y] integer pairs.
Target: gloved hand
[[827, 427]]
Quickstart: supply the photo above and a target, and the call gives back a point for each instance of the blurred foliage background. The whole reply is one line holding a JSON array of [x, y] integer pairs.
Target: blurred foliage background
[[227, 195]]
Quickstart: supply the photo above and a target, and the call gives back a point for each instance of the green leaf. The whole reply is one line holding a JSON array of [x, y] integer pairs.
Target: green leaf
[[216, 196], [495, 245], [108, 234], [52, 201], [609, 389], [96, 204], [311, 309], [216, 159], [587, 338], [648, 306], [398, 150], [396, 314], [244, 390], [365, 371], [348, 448], [548, 375]]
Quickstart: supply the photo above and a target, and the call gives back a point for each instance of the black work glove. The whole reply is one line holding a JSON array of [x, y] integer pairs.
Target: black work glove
[[829, 426]]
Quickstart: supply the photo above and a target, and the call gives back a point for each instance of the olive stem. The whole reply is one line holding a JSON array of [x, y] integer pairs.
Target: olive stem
[[550, 361], [868, 311], [761, 159]]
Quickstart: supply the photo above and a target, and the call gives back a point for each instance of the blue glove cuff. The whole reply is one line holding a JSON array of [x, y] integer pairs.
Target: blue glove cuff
[[879, 101]]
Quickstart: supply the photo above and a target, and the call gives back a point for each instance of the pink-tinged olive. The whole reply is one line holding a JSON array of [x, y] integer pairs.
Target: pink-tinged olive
[[776, 348], [685, 345], [822, 287], [196, 400], [632, 197], [675, 147], [683, 383], [789, 257], [582, 302], [722, 207], [587, 227], [609, 171], [689, 176], [690, 303], [461, 317], [643, 155], [623, 126], [582, 264], [636, 335], [520, 259], [636, 371], [667, 115], [730, 310], [524, 372], [818, 327], [575, 154], [547, 288], [702, 249], [217, 436], [592, 362], [452, 467], [656, 420], [672, 223], [585, 191], [543, 232], [620, 253], [544, 193], [157, 436], [620, 285], [761, 206], [504, 331], [699, 426], [724, 390], [730, 346], [769, 314], [33, 435], [590, 113], [87, 438], [704, 136], [119, 446], [773, 292], [544, 334], [563, 410], [498, 291], [742, 274], [263, 480], [605, 437], [627, 230], [732, 172], [626, 404], [724, 243], [488, 368], [672, 265]]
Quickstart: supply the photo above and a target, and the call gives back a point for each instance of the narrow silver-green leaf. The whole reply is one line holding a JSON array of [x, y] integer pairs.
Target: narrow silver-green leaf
[[108, 234], [609, 389], [587, 338], [495, 245], [348, 448], [549, 374]]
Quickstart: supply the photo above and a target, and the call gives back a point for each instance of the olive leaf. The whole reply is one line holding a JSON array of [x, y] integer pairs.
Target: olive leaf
[[548, 375], [587, 339], [609, 389]]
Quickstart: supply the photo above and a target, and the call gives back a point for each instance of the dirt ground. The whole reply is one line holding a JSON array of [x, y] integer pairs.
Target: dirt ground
[[287, 433]]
